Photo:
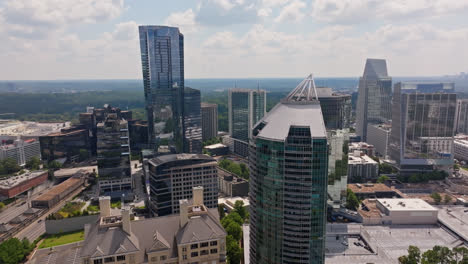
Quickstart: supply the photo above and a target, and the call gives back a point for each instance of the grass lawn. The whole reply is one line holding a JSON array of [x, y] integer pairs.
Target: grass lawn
[[464, 168], [93, 208], [62, 239]]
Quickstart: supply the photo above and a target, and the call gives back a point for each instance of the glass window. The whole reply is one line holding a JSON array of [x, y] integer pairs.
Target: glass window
[[193, 246], [194, 254], [204, 252], [214, 251], [121, 258], [204, 244], [213, 243], [97, 261]]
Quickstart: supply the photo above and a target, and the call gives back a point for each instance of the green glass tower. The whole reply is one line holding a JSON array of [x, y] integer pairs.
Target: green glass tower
[[288, 161]]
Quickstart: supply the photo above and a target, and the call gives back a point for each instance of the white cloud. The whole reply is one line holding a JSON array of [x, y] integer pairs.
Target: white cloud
[[37, 18], [357, 11], [226, 12], [292, 12], [272, 3], [184, 20]]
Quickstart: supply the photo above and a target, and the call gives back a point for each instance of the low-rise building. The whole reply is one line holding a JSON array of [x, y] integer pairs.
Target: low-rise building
[[57, 193], [193, 236], [361, 167], [363, 147], [378, 135], [460, 149], [14, 185], [398, 212], [229, 202], [373, 190], [232, 185], [21, 151], [217, 149]]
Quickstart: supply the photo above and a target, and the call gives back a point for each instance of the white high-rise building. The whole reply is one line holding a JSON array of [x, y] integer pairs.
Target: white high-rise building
[[21, 151]]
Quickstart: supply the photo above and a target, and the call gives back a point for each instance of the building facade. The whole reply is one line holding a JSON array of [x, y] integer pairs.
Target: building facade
[[288, 183], [162, 60], [192, 124], [246, 108], [66, 144], [461, 119], [21, 151], [173, 176], [423, 126], [460, 149], [193, 236], [374, 96], [361, 167], [378, 135], [113, 155], [14, 185], [209, 114]]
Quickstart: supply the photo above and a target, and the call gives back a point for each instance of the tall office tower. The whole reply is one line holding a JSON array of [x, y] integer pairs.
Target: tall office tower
[[423, 126], [374, 96], [336, 110], [113, 155], [209, 120], [461, 119], [246, 107], [288, 181], [173, 176], [162, 59], [192, 124]]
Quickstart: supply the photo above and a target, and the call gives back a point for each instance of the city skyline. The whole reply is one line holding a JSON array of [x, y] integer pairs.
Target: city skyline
[[233, 39]]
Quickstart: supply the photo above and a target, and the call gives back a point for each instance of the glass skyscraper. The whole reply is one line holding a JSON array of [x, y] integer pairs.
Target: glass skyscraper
[[162, 60], [336, 111], [374, 96], [423, 126], [246, 107], [192, 125], [288, 182]]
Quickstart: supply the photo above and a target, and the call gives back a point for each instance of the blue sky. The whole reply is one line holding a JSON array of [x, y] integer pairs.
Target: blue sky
[[98, 39]]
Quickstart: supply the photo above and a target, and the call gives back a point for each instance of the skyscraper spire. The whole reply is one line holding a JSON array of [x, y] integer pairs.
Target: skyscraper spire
[[305, 91]]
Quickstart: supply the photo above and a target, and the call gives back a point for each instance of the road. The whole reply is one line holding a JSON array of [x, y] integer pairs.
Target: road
[[17, 209], [36, 229]]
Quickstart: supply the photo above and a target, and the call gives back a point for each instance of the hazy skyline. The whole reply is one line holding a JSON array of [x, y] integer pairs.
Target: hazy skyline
[[98, 39]]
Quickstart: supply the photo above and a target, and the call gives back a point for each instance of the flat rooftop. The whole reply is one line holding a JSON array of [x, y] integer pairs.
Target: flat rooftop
[[72, 171], [214, 146], [13, 181], [362, 159], [406, 204], [369, 188]]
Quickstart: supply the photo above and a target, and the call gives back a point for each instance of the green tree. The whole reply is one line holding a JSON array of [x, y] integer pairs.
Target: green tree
[[234, 229], [13, 251], [447, 198], [244, 171], [2, 205], [385, 168], [9, 166], [436, 197], [437, 255], [33, 163], [234, 252], [240, 209], [54, 165], [352, 202], [383, 179], [413, 257]]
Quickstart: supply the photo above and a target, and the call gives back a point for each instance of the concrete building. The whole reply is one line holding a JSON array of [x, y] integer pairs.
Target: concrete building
[[57, 193], [193, 236], [231, 185], [14, 185], [460, 149], [361, 167], [373, 190], [423, 126], [403, 212], [374, 97], [229, 202], [172, 177], [362, 147], [113, 155], [246, 108], [378, 135], [288, 182], [21, 150], [209, 114]]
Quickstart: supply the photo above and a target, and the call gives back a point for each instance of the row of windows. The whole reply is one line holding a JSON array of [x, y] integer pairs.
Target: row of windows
[[108, 260]]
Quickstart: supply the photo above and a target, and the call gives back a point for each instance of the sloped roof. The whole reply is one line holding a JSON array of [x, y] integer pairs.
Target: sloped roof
[[19, 219], [5, 228], [375, 68], [203, 227]]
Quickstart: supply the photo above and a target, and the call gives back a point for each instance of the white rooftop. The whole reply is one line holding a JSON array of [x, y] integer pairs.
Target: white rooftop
[[406, 205], [287, 114], [217, 145]]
